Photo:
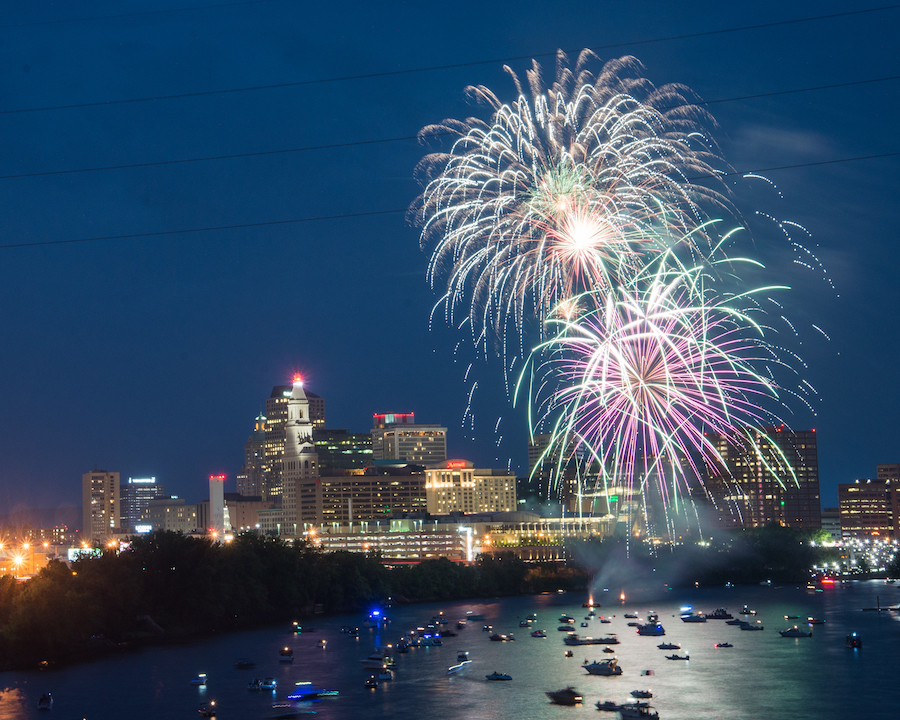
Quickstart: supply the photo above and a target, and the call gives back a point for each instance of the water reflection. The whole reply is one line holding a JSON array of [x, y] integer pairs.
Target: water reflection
[[12, 704]]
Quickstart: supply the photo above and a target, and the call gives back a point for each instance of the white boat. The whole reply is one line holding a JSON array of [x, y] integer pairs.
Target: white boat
[[794, 632], [638, 711], [498, 676], [603, 667], [694, 618]]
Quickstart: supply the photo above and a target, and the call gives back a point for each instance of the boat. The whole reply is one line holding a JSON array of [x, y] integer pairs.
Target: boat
[[631, 616], [207, 709], [255, 685], [652, 630], [565, 628], [269, 683], [496, 676], [569, 653], [321, 643], [474, 616], [749, 626], [497, 637], [747, 611], [378, 660], [638, 711], [460, 624], [608, 650], [244, 664], [675, 656], [736, 622], [452, 670], [607, 705], [641, 694], [853, 641], [669, 646], [566, 696], [720, 614], [199, 680], [634, 623], [307, 691], [385, 675], [45, 702], [286, 655], [524, 623], [605, 621], [567, 619], [538, 633], [575, 639], [791, 617], [693, 618], [724, 645], [462, 655], [814, 621], [603, 667], [794, 632], [371, 683], [584, 624]]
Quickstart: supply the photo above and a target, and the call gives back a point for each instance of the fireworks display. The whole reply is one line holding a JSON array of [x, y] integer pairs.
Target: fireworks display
[[574, 217]]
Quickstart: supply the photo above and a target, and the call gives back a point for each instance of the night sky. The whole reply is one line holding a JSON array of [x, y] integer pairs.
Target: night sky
[[152, 355]]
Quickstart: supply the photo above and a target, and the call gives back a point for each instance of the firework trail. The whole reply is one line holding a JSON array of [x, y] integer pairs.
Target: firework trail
[[566, 190]]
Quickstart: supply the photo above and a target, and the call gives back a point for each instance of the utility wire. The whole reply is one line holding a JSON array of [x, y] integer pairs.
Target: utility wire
[[402, 138], [409, 71], [376, 213], [135, 14]]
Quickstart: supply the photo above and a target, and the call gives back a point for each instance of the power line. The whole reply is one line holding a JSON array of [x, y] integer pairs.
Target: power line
[[402, 138], [376, 213], [135, 14], [409, 71]]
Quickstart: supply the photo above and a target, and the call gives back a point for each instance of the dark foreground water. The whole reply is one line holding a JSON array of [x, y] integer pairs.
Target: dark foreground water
[[763, 677]]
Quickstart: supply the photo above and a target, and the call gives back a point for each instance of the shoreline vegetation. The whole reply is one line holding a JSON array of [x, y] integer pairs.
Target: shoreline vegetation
[[169, 588]]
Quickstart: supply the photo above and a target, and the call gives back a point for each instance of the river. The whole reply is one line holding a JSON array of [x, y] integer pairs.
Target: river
[[764, 676]]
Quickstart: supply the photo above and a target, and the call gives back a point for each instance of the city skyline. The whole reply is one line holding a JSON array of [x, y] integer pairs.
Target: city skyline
[[154, 355]]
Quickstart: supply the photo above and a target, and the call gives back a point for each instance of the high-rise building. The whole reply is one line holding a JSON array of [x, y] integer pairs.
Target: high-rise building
[[273, 451], [383, 490], [870, 508], [170, 514], [888, 472], [218, 521], [251, 477], [422, 444], [301, 497], [100, 504], [777, 483], [134, 496], [341, 449], [457, 486]]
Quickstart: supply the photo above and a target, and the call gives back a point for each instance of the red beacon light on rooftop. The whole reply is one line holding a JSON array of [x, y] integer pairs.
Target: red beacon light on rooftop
[[298, 379]]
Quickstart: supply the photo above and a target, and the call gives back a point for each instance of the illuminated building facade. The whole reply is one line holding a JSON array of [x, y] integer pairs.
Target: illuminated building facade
[[456, 486], [274, 448], [252, 475], [870, 509], [100, 505], [134, 496], [169, 514], [340, 449], [301, 498], [381, 491], [406, 440], [778, 484]]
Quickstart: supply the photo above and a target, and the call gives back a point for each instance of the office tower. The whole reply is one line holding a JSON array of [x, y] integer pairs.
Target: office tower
[[273, 452], [778, 483], [396, 437], [869, 509], [341, 449], [888, 472], [380, 492], [301, 497], [457, 486], [169, 513], [134, 496], [251, 477], [100, 504]]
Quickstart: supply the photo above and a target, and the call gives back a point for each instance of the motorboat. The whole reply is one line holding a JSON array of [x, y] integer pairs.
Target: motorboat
[[497, 637], [538, 633], [608, 650], [307, 691], [814, 621], [720, 614], [693, 618], [462, 655], [603, 667], [567, 619], [207, 709], [747, 611], [634, 623], [631, 616], [269, 683], [638, 711], [791, 617], [641, 694], [575, 639], [496, 676], [461, 624], [794, 632], [565, 628], [853, 641], [378, 660], [669, 646], [199, 680], [568, 653], [584, 624], [736, 622], [675, 656], [605, 621], [45, 702], [724, 645], [608, 705], [566, 696], [255, 685], [452, 670], [524, 623], [385, 675], [322, 643], [286, 655], [474, 616], [371, 683], [751, 626], [652, 630]]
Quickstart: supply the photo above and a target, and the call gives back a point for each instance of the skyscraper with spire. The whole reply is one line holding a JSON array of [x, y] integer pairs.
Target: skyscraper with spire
[[301, 500]]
